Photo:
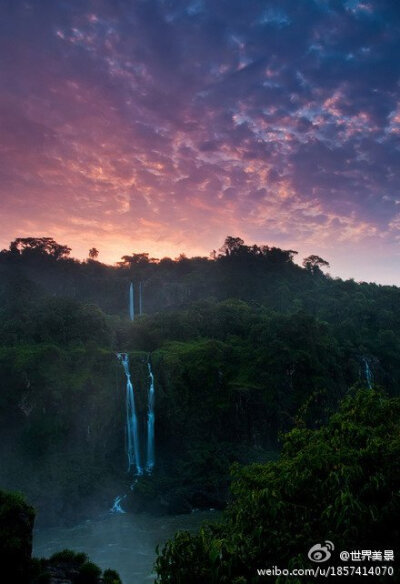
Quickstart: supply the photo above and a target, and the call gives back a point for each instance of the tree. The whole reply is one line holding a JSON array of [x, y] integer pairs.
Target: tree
[[276, 255], [137, 259], [339, 483], [39, 246], [93, 253], [232, 246], [313, 264]]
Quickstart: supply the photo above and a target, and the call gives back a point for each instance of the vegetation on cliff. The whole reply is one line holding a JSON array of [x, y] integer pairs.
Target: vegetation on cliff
[[243, 344], [16, 525], [340, 483]]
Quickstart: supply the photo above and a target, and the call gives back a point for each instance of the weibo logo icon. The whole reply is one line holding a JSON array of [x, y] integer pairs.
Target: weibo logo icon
[[321, 552]]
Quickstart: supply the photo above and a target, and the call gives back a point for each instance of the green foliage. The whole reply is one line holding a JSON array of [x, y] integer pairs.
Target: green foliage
[[187, 558], [68, 556], [340, 482], [38, 571], [68, 565], [111, 577], [244, 346], [89, 573], [57, 409]]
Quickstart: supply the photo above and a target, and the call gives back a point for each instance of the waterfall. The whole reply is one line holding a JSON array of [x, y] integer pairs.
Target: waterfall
[[132, 433], [368, 373], [132, 430], [150, 422], [131, 302], [116, 508]]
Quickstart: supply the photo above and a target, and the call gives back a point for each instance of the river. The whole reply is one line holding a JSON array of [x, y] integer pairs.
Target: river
[[123, 542]]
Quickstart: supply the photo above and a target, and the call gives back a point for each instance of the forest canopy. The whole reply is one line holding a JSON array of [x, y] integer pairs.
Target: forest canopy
[[245, 343]]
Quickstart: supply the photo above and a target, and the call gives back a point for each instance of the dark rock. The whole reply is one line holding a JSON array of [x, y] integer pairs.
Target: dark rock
[[16, 525], [204, 499], [178, 504]]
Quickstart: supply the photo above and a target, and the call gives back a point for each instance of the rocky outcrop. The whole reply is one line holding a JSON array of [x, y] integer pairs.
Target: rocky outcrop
[[65, 567], [16, 525]]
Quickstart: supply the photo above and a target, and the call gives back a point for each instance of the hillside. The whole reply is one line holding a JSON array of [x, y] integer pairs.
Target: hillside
[[244, 345]]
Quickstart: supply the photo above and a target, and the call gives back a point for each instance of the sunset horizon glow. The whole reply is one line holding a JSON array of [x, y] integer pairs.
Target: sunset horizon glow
[[163, 127]]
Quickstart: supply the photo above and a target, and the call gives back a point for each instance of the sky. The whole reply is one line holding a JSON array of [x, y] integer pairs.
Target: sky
[[163, 126]]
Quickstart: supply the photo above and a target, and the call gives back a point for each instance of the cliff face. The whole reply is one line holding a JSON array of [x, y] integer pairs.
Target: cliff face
[[62, 429], [16, 525]]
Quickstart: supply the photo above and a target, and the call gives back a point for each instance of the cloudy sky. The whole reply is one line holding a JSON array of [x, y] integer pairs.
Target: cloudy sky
[[165, 125]]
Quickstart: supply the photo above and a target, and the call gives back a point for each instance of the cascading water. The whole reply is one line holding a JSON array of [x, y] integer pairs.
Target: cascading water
[[116, 508], [368, 373], [132, 433], [150, 422]]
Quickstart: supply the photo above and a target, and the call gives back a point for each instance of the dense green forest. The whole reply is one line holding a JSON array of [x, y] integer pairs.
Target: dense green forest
[[338, 483], [245, 345]]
